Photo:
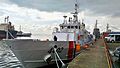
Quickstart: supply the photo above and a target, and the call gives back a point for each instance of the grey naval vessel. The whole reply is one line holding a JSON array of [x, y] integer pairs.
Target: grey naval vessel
[[33, 53]]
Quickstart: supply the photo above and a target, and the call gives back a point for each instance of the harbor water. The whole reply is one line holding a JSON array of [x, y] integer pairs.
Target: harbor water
[[7, 58]]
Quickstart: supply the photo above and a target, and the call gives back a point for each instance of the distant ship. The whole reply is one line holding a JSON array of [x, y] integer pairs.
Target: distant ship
[[7, 30], [22, 34], [96, 31], [34, 53]]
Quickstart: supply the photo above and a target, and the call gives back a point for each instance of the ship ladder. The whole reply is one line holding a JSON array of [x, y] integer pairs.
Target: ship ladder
[[57, 56]]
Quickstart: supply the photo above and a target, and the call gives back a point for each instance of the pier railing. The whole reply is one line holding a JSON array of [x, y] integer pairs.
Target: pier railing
[[109, 58]]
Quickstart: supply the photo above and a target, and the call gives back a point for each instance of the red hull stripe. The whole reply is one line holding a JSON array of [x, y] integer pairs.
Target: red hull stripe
[[70, 51]]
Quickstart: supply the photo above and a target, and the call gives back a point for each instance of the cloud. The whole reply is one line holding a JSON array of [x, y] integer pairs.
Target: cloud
[[41, 16], [5, 1], [101, 7], [31, 20], [45, 5]]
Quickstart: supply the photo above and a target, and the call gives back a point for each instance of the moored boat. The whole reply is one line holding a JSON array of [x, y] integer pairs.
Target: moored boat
[[22, 34], [7, 30]]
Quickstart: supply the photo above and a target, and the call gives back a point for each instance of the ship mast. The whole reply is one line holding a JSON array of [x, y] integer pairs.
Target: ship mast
[[107, 27], [20, 28], [95, 24], [7, 21], [75, 14]]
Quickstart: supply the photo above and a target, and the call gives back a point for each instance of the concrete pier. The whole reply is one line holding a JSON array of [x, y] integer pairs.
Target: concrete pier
[[94, 57]]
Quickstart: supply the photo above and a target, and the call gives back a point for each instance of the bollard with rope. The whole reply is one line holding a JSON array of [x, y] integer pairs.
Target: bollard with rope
[[57, 56]]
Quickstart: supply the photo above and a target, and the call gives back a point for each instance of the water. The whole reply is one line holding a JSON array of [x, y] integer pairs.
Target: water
[[7, 58]]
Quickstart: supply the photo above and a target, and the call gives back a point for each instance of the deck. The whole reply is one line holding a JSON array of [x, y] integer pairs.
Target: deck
[[94, 57]]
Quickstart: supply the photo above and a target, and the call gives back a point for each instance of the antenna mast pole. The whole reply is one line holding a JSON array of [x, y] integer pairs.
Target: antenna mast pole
[[7, 19], [75, 14]]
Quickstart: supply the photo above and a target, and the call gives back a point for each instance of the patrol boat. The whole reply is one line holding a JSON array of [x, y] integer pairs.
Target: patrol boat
[[33, 53]]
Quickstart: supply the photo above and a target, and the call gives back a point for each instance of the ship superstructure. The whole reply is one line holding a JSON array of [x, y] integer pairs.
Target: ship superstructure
[[72, 29]]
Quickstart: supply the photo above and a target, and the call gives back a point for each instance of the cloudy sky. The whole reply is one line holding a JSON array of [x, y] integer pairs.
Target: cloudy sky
[[41, 16]]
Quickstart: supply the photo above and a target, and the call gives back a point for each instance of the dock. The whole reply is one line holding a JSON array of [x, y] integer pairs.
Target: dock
[[94, 57]]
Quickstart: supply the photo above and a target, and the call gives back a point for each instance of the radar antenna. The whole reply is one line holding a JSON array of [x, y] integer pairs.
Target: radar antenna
[[75, 14]]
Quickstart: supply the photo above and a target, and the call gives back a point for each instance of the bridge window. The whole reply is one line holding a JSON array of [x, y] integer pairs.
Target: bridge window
[[72, 27], [79, 27], [62, 27], [68, 27], [76, 27]]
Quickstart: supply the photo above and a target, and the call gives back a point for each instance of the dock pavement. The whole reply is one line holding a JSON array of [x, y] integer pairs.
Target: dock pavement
[[94, 57]]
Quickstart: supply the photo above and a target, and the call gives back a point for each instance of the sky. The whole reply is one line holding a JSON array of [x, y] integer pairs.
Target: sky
[[40, 16]]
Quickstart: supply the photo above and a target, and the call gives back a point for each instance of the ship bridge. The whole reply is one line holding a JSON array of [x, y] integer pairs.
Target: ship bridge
[[70, 27]]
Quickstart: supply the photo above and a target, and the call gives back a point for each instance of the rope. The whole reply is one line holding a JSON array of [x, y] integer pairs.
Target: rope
[[56, 60], [58, 57]]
